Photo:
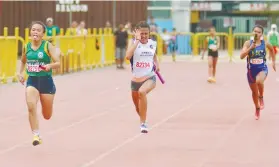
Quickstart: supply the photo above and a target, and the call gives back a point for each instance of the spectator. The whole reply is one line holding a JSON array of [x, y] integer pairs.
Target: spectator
[[73, 29], [121, 39], [153, 28], [108, 25], [153, 25], [166, 38], [81, 30], [128, 27], [50, 27]]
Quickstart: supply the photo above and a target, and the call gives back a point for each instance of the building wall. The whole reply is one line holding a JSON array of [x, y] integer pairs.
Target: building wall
[[21, 13]]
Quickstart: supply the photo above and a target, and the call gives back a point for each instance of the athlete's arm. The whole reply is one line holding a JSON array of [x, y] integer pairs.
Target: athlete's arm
[[156, 62], [271, 51], [23, 62], [54, 56], [246, 49], [22, 66], [205, 44], [218, 42], [131, 48]]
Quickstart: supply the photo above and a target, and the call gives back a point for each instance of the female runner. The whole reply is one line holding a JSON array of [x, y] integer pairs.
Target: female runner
[[212, 44], [38, 53], [142, 55], [256, 66]]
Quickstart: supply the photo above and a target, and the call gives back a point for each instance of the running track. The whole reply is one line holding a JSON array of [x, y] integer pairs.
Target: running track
[[194, 124]]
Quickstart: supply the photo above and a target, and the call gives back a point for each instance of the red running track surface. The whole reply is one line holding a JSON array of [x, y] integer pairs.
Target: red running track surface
[[193, 123]]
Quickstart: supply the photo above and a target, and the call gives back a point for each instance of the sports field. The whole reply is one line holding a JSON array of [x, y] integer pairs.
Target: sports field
[[193, 123]]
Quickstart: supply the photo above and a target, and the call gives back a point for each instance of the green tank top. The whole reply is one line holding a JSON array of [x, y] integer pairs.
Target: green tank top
[[211, 42], [37, 57], [273, 40]]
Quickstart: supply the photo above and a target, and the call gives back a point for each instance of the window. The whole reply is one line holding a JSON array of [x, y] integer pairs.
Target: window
[[159, 9]]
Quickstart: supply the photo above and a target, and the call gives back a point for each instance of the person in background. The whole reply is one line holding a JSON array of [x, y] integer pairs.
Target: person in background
[[212, 45], [128, 27], [153, 28], [273, 38], [108, 25], [166, 38], [173, 44], [50, 26], [81, 30], [121, 38], [72, 30], [153, 25]]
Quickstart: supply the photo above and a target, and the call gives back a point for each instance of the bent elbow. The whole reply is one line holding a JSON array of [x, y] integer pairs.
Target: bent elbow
[[242, 55]]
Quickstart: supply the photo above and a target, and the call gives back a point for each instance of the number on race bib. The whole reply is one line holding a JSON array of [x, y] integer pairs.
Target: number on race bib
[[33, 68], [142, 65], [256, 61]]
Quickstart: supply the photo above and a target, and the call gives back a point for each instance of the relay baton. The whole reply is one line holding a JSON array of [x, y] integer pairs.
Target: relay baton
[[159, 75], [42, 67]]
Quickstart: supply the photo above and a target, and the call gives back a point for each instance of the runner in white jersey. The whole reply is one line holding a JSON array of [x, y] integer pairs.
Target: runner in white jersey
[[142, 55]]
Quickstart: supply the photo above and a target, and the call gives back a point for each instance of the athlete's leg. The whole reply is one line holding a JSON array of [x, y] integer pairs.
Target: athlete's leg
[[173, 51], [210, 68], [255, 94], [214, 64], [143, 91], [261, 92], [252, 79], [122, 55], [146, 87], [260, 78], [117, 57], [32, 97], [47, 105], [47, 93], [135, 96], [173, 56]]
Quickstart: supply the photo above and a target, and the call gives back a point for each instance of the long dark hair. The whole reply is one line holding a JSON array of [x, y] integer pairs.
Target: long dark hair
[[142, 24]]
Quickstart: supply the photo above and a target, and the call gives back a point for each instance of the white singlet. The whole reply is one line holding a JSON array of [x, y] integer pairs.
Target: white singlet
[[142, 60]]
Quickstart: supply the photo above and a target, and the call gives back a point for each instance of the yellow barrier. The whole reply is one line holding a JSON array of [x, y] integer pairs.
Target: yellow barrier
[[9, 46]]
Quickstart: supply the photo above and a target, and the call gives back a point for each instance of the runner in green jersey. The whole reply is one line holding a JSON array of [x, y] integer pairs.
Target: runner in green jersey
[[212, 44], [273, 38], [40, 57]]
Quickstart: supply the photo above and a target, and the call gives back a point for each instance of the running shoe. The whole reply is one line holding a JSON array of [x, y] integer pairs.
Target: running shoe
[[143, 128], [36, 140]]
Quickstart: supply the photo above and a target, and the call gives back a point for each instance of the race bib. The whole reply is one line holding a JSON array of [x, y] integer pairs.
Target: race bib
[[256, 61], [33, 68], [212, 46], [143, 65]]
